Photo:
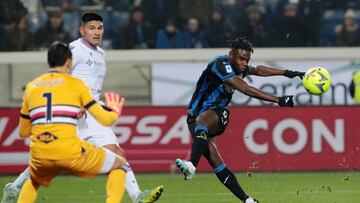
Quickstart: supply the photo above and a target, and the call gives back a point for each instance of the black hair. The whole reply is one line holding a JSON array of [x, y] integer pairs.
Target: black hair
[[241, 43], [86, 17], [58, 53]]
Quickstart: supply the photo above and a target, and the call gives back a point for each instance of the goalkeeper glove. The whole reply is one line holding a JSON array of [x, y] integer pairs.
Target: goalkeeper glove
[[114, 102], [292, 74], [286, 101]]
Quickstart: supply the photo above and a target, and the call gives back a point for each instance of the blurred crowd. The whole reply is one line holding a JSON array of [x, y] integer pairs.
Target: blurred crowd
[[142, 24]]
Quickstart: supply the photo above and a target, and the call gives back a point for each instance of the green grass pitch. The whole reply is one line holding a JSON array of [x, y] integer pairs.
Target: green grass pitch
[[294, 187]]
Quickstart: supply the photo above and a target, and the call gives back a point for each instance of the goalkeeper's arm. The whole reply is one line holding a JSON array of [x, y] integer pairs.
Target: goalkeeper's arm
[[107, 115]]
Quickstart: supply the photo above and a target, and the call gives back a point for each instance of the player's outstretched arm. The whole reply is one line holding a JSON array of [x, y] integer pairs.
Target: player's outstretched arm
[[264, 71], [240, 85], [102, 115], [106, 118]]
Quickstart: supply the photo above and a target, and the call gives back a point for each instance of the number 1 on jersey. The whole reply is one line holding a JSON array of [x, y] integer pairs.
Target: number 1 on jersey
[[48, 97]]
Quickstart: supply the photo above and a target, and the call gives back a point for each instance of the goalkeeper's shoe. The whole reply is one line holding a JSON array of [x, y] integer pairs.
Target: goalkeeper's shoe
[[251, 200], [149, 196], [187, 168], [9, 194]]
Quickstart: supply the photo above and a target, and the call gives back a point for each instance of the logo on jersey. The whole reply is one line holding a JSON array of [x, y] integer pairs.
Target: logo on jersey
[[89, 62], [46, 137]]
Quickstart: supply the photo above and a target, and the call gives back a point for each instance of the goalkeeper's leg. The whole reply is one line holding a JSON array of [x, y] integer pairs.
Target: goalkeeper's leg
[[131, 184], [28, 192]]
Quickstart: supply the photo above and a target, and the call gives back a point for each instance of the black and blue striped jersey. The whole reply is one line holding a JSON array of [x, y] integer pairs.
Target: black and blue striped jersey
[[211, 89]]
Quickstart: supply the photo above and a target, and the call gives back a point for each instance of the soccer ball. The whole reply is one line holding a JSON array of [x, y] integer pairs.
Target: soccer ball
[[317, 80]]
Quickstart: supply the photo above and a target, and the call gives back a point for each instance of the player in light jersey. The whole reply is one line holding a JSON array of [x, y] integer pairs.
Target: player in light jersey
[[89, 66], [49, 111]]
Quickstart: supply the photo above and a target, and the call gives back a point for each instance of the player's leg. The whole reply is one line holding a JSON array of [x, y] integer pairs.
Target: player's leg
[[223, 173], [131, 184], [205, 125], [41, 172], [115, 185], [201, 128], [103, 136], [95, 160], [11, 190], [28, 192]]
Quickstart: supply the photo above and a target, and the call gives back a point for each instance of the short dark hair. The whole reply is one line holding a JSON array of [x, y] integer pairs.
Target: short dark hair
[[90, 16], [241, 43], [58, 53]]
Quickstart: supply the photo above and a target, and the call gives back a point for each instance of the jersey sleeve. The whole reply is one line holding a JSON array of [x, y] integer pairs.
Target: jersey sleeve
[[106, 118], [25, 123], [24, 112], [223, 69]]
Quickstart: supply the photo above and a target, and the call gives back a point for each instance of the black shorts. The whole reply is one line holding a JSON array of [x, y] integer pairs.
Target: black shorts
[[223, 115]]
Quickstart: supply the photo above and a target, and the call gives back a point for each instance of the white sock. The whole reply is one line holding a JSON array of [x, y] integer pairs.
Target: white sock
[[131, 184], [20, 180]]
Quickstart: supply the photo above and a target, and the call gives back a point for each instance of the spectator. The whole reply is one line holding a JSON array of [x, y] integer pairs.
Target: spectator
[[119, 12], [218, 29], [198, 9], [60, 4], [193, 36], [348, 33], [10, 11], [138, 34], [3, 39], [312, 12], [255, 28], [291, 29], [157, 12], [169, 37], [19, 38], [53, 30]]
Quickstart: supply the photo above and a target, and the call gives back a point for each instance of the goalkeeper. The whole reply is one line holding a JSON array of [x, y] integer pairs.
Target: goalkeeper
[[49, 112], [208, 114]]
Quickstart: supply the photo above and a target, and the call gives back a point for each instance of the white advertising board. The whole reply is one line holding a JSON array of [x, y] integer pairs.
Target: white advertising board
[[174, 83]]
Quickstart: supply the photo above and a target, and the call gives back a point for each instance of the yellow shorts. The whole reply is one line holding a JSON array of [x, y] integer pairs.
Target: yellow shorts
[[87, 165]]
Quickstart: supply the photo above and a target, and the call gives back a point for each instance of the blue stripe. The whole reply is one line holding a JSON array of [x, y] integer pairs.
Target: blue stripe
[[227, 77], [201, 94], [219, 168], [224, 102], [201, 127], [210, 101]]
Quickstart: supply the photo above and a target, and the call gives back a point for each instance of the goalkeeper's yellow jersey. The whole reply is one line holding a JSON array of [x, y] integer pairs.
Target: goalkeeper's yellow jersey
[[51, 104]]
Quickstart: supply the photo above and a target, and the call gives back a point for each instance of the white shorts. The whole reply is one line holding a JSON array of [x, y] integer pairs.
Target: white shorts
[[91, 130]]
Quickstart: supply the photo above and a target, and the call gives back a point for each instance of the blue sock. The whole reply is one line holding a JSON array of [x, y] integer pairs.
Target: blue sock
[[200, 144], [228, 179]]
